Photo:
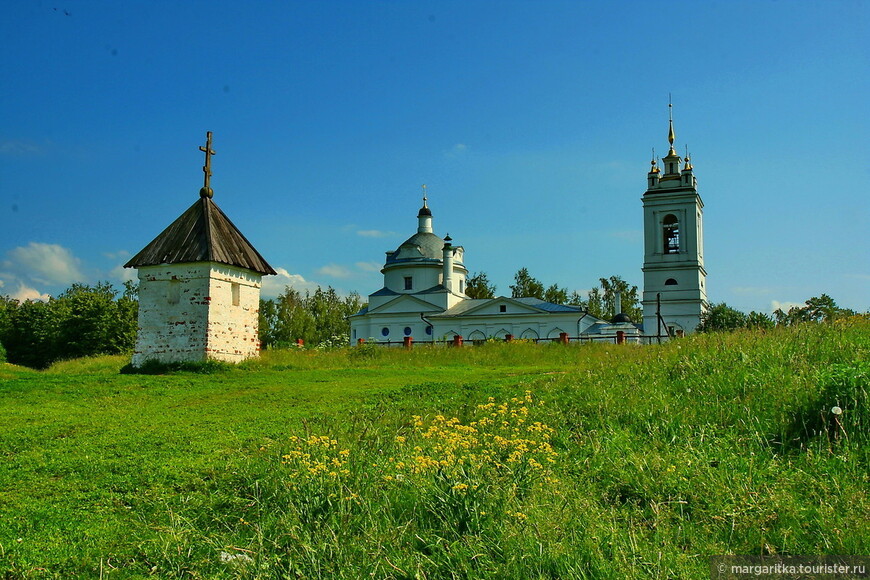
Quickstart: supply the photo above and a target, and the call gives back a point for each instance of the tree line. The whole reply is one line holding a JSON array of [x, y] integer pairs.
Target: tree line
[[318, 318], [599, 301], [81, 321], [721, 317], [89, 320]]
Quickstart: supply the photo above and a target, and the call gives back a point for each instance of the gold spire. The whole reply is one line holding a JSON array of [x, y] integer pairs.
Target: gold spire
[[206, 190], [671, 136], [654, 168], [425, 199]]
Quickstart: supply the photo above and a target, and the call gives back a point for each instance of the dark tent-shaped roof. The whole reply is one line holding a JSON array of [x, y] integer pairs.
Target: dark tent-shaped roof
[[202, 234]]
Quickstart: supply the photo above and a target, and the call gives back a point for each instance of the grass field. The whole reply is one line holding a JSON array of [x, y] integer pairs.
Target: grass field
[[497, 461]]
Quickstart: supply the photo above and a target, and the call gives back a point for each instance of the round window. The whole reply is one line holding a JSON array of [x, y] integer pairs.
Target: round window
[[407, 331], [385, 331], [429, 330]]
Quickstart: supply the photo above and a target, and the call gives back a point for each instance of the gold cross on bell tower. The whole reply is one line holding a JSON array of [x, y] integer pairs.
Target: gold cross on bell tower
[[206, 190]]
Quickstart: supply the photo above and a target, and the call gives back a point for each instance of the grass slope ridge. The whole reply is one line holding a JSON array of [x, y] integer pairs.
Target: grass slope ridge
[[505, 460]]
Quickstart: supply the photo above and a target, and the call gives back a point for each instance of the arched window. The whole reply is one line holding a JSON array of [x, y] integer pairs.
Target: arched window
[[555, 333], [671, 231], [529, 333], [670, 282]]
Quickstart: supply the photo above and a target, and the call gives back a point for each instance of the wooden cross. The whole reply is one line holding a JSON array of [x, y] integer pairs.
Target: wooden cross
[[206, 189]]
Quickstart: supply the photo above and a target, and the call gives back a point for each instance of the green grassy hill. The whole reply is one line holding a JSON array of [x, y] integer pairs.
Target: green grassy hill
[[504, 460]]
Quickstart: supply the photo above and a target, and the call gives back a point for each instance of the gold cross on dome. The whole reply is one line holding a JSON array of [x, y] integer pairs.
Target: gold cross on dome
[[206, 190]]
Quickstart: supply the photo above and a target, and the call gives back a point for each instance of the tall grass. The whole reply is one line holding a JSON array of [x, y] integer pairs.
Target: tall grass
[[504, 460]]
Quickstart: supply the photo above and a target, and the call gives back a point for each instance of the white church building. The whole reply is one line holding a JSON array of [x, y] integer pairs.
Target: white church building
[[423, 297]]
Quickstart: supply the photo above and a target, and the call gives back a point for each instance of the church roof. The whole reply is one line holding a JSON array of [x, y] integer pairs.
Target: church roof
[[203, 233], [548, 306], [422, 245], [470, 304]]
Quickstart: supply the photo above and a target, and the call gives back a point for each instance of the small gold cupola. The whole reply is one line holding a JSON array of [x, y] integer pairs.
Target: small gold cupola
[[654, 171]]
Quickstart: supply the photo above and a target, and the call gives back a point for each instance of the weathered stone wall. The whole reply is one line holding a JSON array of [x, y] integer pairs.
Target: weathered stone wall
[[191, 312], [234, 314]]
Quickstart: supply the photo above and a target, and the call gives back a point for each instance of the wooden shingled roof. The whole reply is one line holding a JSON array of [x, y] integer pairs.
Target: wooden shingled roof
[[202, 234]]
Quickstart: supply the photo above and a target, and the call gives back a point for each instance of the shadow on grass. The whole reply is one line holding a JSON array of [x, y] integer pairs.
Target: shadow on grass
[[154, 367]]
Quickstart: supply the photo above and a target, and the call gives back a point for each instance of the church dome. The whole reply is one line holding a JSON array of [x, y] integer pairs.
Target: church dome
[[620, 318], [420, 246]]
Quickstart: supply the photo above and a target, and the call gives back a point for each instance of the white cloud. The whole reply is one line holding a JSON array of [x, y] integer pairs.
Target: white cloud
[[119, 255], [375, 233], [26, 293], [784, 306], [274, 285], [456, 150], [334, 271], [123, 274], [368, 266], [45, 263]]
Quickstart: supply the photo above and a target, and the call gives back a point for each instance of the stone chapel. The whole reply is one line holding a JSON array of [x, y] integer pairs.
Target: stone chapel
[[199, 287]]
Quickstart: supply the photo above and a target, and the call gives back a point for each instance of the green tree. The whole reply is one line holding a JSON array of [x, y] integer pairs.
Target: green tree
[[292, 320], [526, 286], [577, 300], [759, 320], [92, 321], [721, 317], [817, 309], [479, 286], [316, 318], [268, 318], [595, 303], [601, 300], [32, 339], [81, 321], [556, 295]]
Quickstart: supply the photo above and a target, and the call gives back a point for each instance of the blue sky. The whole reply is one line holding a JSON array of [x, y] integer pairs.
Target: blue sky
[[532, 124]]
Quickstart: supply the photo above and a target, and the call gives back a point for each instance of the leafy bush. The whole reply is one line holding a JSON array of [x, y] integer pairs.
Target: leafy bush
[[2, 353], [82, 321]]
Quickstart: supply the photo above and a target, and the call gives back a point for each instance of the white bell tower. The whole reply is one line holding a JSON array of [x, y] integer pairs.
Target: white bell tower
[[674, 278]]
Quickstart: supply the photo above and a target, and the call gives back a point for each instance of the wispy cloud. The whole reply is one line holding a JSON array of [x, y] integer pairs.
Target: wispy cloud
[[274, 285], [45, 263], [375, 233], [16, 147], [334, 271], [119, 255], [457, 150], [368, 266]]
